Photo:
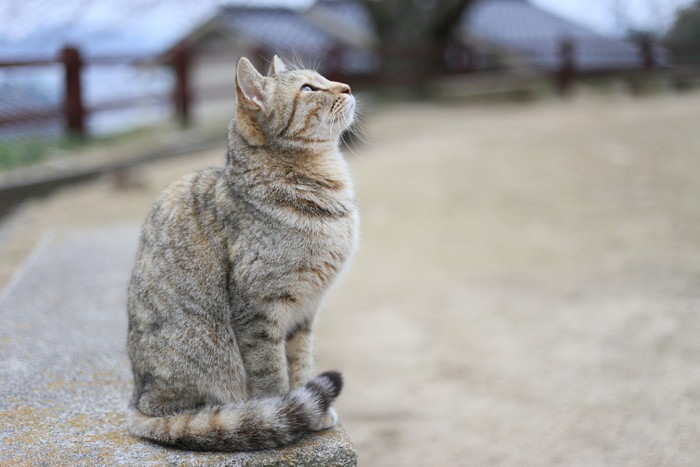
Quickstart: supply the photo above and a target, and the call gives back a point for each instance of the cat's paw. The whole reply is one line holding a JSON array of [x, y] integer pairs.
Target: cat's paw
[[328, 420]]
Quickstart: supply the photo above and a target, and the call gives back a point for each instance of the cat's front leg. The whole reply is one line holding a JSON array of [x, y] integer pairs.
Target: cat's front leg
[[300, 358], [265, 359]]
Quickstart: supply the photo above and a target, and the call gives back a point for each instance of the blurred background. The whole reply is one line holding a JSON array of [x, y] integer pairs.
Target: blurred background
[[97, 68], [528, 173]]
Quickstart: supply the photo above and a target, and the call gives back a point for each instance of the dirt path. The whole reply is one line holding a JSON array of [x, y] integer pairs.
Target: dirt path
[[527, 287]]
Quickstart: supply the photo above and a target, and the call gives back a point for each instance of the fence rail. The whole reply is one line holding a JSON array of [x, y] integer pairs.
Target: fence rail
[[562, 62], [73, 110]]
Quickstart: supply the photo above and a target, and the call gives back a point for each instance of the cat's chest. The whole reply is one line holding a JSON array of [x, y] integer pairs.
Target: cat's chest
[[271, 263]]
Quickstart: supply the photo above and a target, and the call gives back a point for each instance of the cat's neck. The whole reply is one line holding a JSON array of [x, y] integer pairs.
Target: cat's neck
[[289, 155], [312, 168], [244, 142]]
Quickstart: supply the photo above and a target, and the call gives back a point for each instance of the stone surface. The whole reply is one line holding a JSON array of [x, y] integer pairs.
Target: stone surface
[[64, 374]]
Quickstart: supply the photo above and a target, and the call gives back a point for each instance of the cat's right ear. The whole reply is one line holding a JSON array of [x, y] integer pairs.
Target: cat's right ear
[[250, 87], [277, 66]]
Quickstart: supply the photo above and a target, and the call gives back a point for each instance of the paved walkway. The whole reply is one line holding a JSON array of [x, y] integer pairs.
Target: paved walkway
[[64, 373]]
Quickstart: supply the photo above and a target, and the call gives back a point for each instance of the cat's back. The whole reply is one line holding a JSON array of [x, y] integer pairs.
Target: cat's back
[[181, 244], [191, 196]]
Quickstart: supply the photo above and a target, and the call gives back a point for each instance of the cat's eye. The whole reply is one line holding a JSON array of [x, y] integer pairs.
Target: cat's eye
[[308, 87]]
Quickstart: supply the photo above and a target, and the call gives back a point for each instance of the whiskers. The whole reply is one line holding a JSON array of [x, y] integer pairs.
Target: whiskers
[[296, 61], [334, 126], [352, 131], [308, 63]]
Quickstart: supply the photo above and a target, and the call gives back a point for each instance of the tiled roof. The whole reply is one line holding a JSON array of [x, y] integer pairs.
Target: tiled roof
[[279, 29], [519, 26], [352, 14], [294, 36]]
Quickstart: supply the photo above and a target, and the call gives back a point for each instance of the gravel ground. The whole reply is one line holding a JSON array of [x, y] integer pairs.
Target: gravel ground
[[527, 289]]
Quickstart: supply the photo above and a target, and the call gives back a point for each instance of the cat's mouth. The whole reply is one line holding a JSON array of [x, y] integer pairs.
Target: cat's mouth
[[343, 109]]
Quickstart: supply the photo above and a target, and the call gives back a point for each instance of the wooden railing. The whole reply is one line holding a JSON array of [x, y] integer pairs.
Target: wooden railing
[[453, 58], [73, 110]]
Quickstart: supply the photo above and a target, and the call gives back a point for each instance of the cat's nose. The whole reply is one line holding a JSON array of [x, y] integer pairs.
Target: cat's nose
[[345, 89]]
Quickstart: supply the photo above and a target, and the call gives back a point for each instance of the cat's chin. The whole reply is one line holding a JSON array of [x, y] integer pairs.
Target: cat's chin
[[344, 111]]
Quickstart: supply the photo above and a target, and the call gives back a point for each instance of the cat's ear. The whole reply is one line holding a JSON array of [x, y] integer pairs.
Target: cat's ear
[[277, 66], [250, 86]]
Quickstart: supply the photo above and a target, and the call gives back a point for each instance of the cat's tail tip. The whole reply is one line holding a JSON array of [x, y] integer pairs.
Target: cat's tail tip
[[336, 382], [324, 389]]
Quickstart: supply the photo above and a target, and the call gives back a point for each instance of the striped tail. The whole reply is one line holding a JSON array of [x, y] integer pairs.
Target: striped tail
[[246, 426]]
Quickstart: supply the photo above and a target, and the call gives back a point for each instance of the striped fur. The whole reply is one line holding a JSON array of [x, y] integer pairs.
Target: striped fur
[[249, 425], [232, 266]]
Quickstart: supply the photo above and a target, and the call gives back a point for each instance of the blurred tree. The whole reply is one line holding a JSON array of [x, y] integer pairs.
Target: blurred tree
[[644, 19], [683, 39], [412, 35]]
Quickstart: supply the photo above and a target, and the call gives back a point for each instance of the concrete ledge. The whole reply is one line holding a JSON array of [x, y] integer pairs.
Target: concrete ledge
[[64, 373], [42, 179]]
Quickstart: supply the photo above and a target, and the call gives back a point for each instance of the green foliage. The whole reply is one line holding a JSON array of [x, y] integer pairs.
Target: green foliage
[[16, 153], [410, 32], [638, 35], [683, 39], [23, 151]]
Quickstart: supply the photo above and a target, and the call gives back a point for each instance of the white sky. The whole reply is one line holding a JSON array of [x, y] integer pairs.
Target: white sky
[[598, 14]]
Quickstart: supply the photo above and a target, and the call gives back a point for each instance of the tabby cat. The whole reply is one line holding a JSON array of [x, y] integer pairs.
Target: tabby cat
[[231, 268]]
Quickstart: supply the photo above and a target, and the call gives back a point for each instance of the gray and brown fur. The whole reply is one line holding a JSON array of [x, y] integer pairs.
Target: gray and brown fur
[[231, 268]]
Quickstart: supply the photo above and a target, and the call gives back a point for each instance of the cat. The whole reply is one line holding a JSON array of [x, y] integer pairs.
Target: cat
[[231, 267]]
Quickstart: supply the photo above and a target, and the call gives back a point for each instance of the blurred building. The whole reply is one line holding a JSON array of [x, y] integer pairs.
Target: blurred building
[[258, 33], [526, 35], [500, 33]]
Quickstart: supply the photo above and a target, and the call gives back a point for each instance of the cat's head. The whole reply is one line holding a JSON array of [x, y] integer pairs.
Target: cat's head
[[298, 107]]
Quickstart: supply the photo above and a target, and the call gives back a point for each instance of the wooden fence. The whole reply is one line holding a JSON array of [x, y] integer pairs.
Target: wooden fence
[[74, 111]]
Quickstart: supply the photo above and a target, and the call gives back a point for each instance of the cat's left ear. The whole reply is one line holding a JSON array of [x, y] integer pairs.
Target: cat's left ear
[[277, 66], [250, 87]]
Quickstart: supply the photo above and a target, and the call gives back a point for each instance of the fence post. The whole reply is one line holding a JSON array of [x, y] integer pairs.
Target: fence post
[[181, 94], [73, 108], [459, 57], [647, 50], [469, 58], [567, 67]]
